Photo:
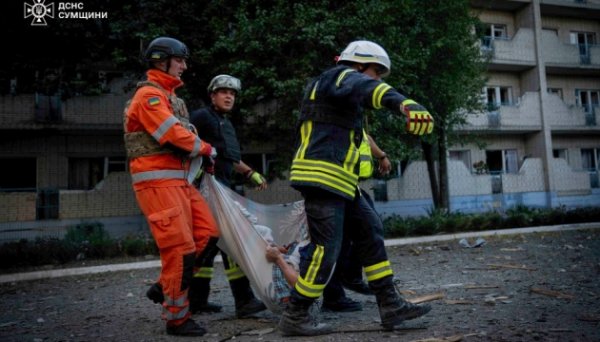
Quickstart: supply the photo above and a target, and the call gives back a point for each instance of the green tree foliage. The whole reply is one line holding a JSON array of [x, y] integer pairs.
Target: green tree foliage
[[275, 47]]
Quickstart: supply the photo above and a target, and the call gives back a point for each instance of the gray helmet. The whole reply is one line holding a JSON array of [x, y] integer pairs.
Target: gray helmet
[[226, 82], [162, 48], [365, 52]]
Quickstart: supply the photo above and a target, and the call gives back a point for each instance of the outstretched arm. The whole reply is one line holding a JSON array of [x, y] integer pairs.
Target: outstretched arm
[[274, 255]]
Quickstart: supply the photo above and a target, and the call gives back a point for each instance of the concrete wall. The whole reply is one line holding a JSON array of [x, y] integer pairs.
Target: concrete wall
[[528, 179], [497, 17], [106, 109], [111, 197], [517, 50]]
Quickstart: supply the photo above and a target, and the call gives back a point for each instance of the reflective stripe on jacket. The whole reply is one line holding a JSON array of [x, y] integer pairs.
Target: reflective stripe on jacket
[[330, 128], [365, 158]]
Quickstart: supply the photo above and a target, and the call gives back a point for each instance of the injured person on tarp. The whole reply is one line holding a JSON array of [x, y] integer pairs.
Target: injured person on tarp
[[248, 228]]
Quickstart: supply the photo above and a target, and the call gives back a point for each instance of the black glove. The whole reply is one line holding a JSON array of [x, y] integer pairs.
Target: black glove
[[208, 164]]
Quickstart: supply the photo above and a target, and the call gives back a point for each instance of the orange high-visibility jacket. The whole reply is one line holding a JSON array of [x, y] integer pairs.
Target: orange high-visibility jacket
[[151, 111]]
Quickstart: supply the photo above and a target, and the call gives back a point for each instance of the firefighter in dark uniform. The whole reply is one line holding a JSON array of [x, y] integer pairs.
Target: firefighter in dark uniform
[[215, 127], [325, 169]]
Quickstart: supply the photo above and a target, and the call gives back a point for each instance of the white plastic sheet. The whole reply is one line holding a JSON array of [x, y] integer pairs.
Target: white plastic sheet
[[238, 219]]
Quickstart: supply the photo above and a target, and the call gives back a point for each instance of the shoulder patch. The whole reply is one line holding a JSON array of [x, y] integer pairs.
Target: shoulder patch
[[153, 101]]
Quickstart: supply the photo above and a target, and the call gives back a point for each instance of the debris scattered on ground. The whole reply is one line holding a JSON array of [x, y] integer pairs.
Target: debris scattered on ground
[[511, 266], [458, 302], [478, 243], [258, 332], [588, 317], [551, 293], [454, 338], [426, 298], [476, 287]]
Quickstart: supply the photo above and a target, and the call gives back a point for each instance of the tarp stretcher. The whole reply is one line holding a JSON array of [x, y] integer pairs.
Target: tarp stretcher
[[239, 220]]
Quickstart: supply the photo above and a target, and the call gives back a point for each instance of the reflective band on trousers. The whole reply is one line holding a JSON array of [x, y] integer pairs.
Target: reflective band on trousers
[[179, 302], [159, 174], [204, 272], [378, 271], [234, 273], [170, 316]]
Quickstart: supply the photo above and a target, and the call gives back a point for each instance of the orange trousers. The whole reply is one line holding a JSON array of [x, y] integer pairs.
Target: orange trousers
[[181, 223]]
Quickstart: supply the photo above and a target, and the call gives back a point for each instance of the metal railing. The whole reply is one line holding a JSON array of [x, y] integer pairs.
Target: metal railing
[[590, 115], [496, 182]]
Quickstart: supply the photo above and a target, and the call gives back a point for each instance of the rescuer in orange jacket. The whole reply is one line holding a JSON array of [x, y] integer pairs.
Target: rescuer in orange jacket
[[164, 155]]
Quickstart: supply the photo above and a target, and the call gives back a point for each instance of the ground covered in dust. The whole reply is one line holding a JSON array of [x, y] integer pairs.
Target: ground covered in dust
[[534, 287]]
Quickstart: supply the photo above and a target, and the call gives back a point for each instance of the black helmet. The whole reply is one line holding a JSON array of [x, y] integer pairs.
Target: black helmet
[[162, 48]]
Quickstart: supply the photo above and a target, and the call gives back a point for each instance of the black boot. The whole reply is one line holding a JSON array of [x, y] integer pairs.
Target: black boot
[[394, 309], [155, 293], [296, 320], [198, 297], [357, 285], [245, 302], [188, 328], [343, 304]]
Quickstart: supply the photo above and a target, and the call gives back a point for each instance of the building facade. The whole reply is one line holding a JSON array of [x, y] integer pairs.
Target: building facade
[[63, 161]]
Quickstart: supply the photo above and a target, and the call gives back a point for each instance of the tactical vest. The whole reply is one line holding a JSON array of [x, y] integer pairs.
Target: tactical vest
[[141, 143]]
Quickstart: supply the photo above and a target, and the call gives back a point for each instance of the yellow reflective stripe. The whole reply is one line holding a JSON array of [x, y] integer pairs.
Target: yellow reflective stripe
[[341, 76], [423, 125], [204, 272], [378, 93], [349, 190], [234, 273], [305, 131], [315, 264], [352, 155], [378, 271], [325, 167], [331, 182], [231, 263], [313, 93], [365, 59], [407, 102], [365, 158], [307, 289]]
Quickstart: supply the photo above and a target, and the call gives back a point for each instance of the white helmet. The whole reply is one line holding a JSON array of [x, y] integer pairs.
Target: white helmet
[[225, 81], [364, 52]]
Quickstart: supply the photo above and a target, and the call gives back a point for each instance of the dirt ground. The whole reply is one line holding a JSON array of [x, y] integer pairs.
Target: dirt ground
[[534, 287]]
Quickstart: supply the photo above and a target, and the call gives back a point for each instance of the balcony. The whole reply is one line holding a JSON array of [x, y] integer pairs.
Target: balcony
[[511, 54], [569, 59], [35, 111], [580, 9], [521, 117], [565, 118]]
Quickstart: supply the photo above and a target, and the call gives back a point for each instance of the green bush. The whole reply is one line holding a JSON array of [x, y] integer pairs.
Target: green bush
[[136, 246], [91, 241], [519, 216], [81, 242]]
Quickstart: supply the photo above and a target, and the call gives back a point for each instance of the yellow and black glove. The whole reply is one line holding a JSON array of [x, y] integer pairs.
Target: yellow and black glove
[[256, 178], [418, 119]]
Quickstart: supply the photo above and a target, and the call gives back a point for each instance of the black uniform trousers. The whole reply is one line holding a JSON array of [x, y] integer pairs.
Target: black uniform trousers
[[330, 219]]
